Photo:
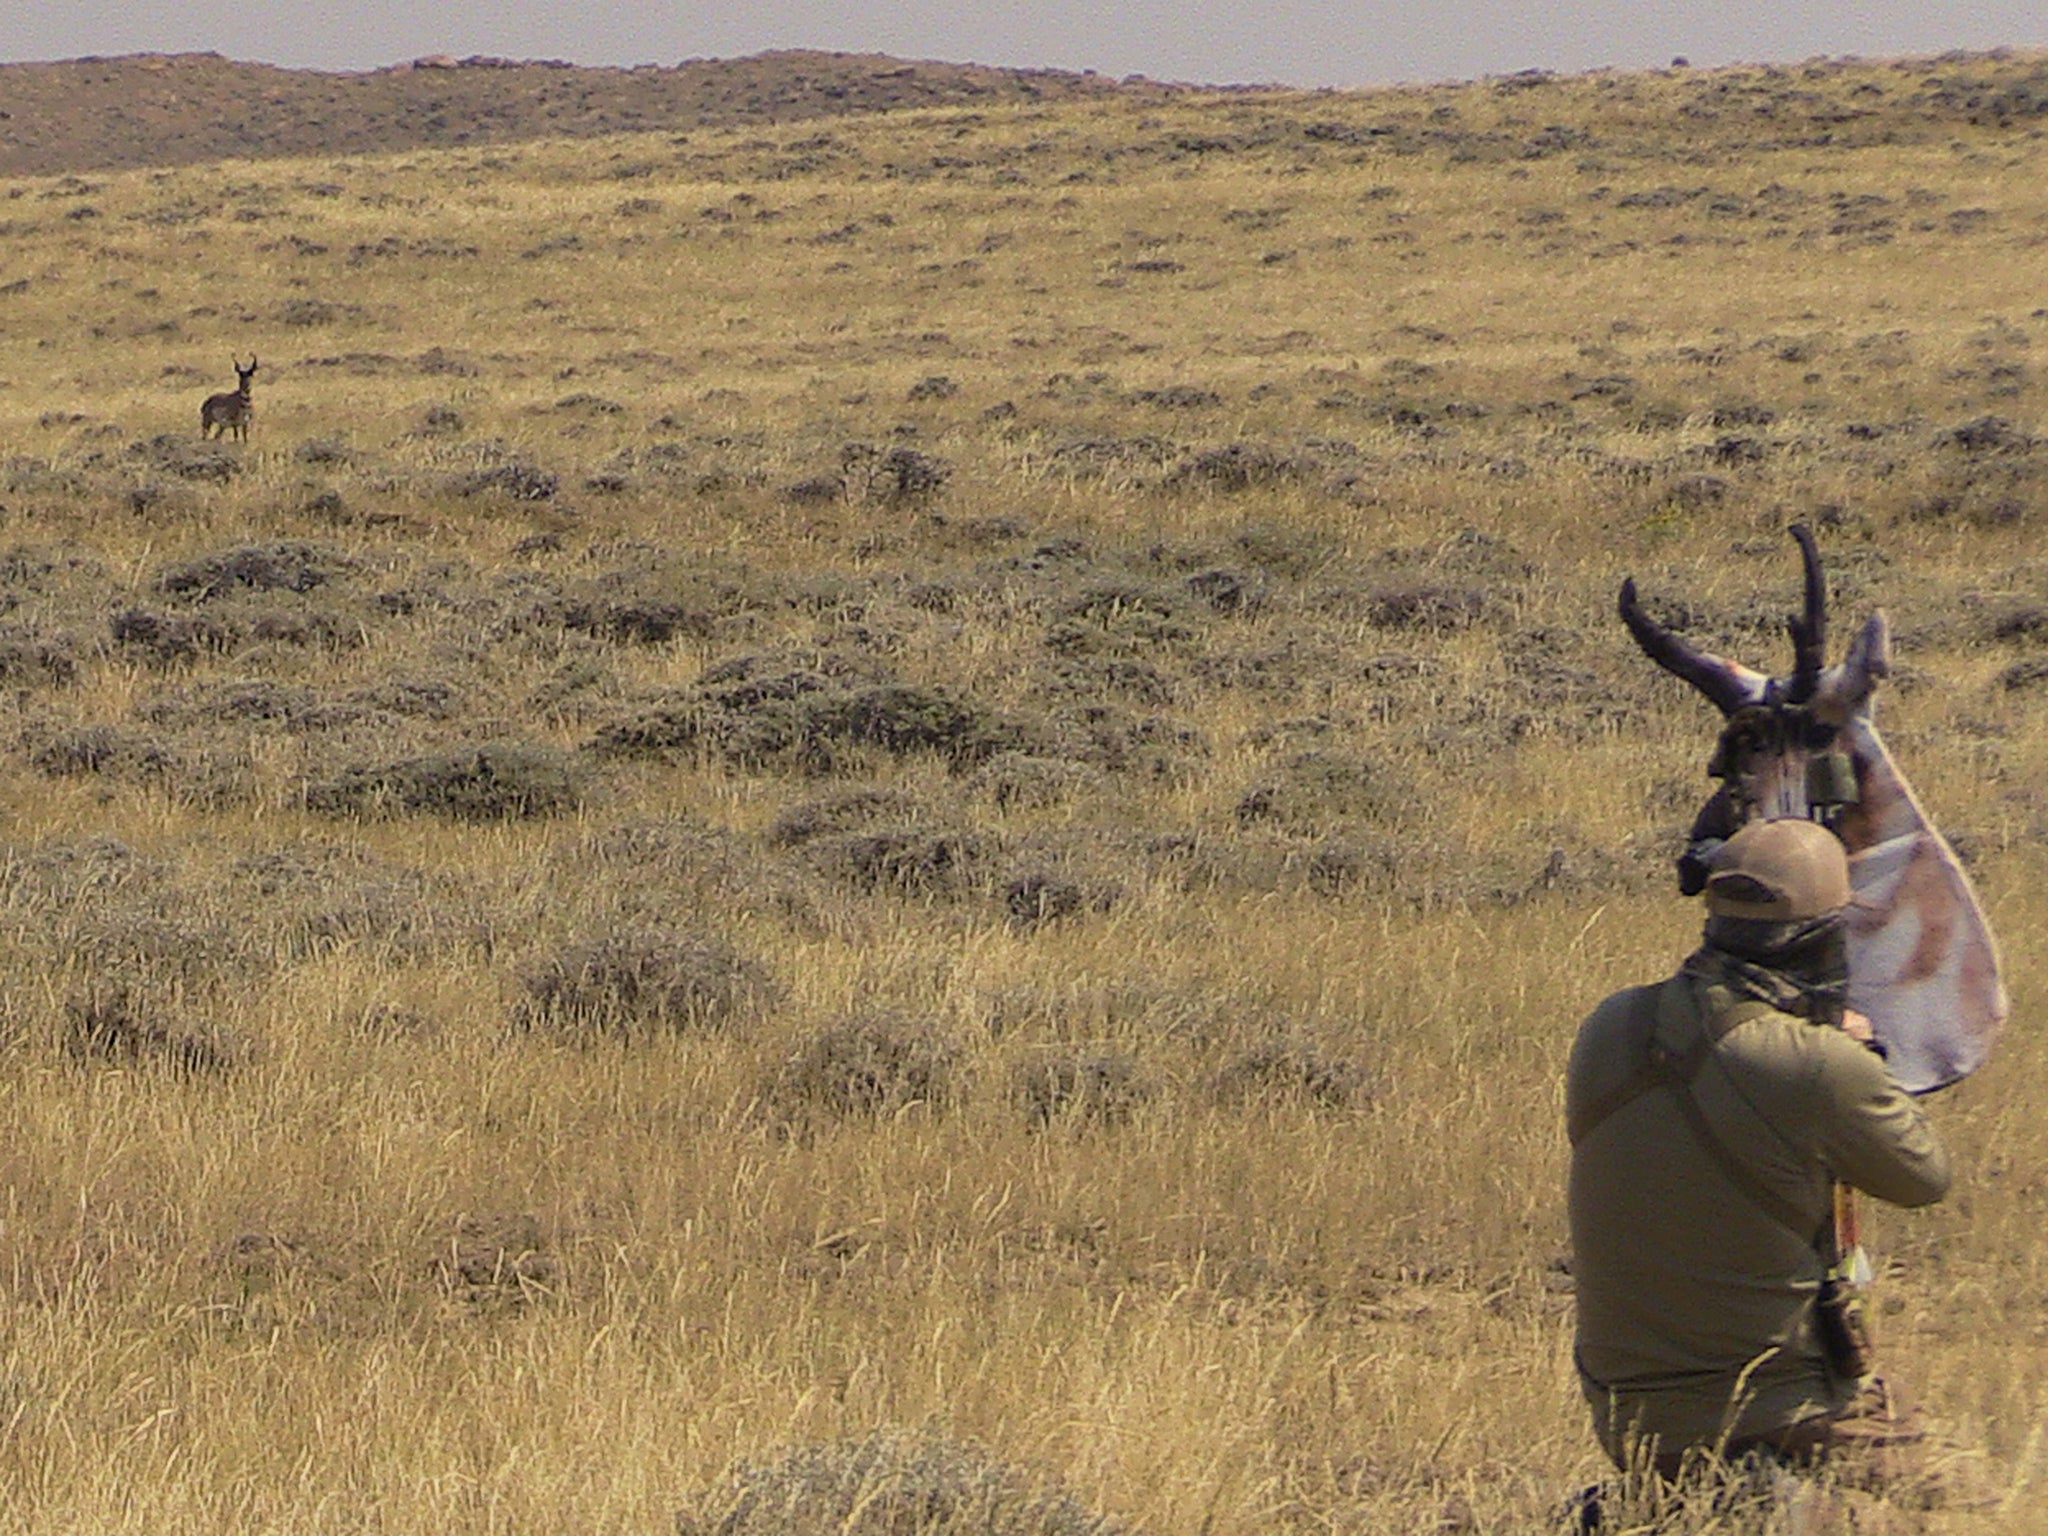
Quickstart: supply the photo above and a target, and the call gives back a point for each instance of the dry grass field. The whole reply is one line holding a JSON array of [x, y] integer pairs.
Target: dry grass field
[[896, 825]]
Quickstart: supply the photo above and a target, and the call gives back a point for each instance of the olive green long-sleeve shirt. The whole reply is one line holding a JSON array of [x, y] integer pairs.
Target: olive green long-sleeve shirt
[[1695, 1305]]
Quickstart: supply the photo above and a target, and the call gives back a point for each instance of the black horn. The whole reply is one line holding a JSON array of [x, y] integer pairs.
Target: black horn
[[1809, 630], [1681, 660]]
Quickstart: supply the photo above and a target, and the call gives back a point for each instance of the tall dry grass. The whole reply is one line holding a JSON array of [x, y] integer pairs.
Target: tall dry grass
[[589, 949]]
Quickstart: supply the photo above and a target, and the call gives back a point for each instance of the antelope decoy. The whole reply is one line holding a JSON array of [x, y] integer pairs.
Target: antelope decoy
[[230, 410], [1922, 963]]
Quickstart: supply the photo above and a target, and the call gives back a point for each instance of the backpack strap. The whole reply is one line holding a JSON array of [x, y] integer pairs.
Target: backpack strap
[[1737, 1172], [1659, 1065], [1635, 1041], [1655, 1064]]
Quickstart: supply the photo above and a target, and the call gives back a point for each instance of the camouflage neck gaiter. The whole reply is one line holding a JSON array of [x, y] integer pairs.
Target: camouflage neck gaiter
[[1799, 967]]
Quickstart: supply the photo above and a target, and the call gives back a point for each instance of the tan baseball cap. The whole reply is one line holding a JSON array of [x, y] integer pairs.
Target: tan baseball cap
[[1787, 870]]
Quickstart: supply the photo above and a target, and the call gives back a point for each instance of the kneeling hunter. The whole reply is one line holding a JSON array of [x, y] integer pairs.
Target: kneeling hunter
[[1709, 1117]]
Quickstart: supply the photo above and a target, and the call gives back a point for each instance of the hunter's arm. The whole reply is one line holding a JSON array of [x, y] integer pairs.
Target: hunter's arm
[[1872, 1134]]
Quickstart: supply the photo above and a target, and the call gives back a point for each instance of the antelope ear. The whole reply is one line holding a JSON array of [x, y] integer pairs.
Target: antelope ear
[[1847, 688]]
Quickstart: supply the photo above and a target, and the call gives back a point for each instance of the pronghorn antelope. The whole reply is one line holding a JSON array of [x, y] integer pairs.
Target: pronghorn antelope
[[230, 410], [1922, 965]]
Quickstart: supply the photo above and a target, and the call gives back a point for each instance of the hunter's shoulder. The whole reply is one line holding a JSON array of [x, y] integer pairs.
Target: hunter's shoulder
[[1799, 1047], [1618, 1008], [1615, 1020]]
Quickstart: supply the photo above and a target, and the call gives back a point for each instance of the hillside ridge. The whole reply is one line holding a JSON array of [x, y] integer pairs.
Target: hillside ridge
[[157, 110], [121, 113]]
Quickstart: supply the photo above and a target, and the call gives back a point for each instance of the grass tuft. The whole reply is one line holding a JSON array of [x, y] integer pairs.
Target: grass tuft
[[647, 979], [890, 1482]]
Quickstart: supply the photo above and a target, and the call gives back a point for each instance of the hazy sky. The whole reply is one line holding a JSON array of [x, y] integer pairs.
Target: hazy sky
[[1295, 42]]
